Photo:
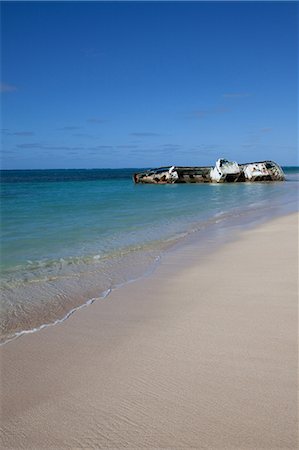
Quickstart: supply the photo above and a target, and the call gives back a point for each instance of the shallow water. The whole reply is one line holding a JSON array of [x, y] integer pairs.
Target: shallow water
[[69, 236]]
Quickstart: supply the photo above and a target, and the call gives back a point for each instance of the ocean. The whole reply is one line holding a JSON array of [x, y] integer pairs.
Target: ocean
[[69, 237]]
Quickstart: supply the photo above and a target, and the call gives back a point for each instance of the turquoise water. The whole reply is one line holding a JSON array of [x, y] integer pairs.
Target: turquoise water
[[69, 236]]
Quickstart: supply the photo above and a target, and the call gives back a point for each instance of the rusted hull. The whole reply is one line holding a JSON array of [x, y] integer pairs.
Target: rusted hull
[[249, 172]]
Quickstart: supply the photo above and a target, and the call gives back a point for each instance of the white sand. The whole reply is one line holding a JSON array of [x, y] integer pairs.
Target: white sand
[[202, 354]]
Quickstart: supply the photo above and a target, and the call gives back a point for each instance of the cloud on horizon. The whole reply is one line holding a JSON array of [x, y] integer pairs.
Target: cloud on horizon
[[7, 132], [29, 145], [96, 120], [7, 87], [255, 138], [202, 113], [144, 134], [101, 147], [236, 95], [126, 146], [23, 133], [85, 135], [249, 145], [70, 128], [171, 145], [39, 146], [92, 52]]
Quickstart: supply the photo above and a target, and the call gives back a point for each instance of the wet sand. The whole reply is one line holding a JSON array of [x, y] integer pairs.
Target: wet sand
[[201, 354]]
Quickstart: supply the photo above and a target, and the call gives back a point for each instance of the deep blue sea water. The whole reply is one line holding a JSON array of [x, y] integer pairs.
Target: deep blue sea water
[[70, 236]]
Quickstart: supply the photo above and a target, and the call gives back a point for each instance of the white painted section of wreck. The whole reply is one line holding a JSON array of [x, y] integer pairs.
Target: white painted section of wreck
[[223, 169]]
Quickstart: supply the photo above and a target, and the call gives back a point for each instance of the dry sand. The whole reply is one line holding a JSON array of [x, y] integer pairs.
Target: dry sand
[[201, 354]]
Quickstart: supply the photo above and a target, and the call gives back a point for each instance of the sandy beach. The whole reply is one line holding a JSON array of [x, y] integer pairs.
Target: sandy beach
[[201, 354]]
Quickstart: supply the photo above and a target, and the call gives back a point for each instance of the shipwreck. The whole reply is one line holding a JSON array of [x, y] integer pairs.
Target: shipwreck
[[224, 171]]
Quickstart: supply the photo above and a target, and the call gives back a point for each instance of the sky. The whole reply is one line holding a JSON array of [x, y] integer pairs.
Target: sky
[[147, 84]]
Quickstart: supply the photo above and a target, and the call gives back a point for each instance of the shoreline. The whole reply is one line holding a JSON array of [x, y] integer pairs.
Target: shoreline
[[218, 231], [200, 353]]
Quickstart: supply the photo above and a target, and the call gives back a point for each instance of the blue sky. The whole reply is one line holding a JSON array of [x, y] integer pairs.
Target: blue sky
[[141, 84]]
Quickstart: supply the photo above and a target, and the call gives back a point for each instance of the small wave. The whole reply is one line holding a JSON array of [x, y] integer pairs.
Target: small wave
[[56, 322], [77, 308]]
